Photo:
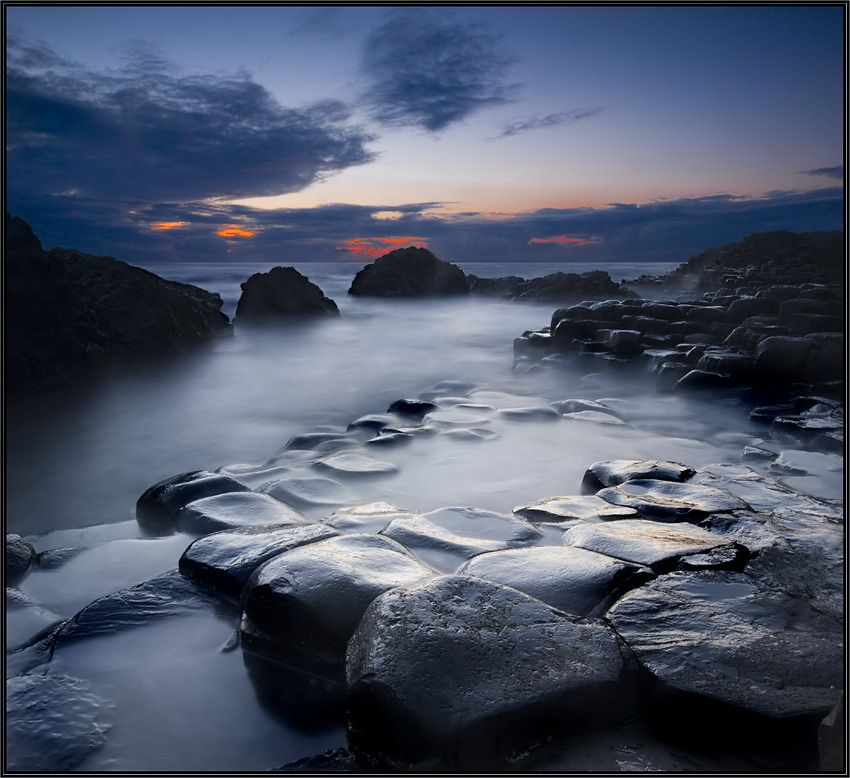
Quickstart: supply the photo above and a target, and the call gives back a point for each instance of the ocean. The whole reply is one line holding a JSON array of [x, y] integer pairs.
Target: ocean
[[76, 464]]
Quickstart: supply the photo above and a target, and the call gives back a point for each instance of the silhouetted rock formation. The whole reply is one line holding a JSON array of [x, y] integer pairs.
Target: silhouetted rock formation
[[66, 310], [556, 287], [409, 272], [282, 294]]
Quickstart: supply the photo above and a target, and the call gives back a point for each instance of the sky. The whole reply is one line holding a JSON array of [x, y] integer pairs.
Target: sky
[[288, 134]]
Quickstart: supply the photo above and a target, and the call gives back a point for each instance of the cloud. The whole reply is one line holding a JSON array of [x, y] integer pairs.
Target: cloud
[[551, 120], [836, 171], [147, 132], [423, 72]]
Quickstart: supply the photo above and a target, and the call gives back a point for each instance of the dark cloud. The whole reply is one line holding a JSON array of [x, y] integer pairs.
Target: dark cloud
[[836, 171], [423, 72], [147, 132], [551, 120]]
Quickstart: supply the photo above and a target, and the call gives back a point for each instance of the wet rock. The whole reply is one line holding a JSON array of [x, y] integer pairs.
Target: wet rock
[[307, 602], [447, 537], [282, 294], [531, 413], [309, 492], [371, 517], [354, 465], [618, 471], [671, 501], [648, 543], [735, 641], [159, 506], [20, 558], [596, 417], [389, 437], [309, 441], [372, 422], [417, 408], [234, 510], [783, 357], [223, 561], [458, 673], [574, 508], [53, 722], [455, 418], [472, 433], [571, 579], [576, 406], [409, 272]]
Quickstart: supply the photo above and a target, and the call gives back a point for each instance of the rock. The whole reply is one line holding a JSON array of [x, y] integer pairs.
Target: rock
[[65, 311], [234, 510], [648, 543], [20, 558], [671, 501], [306, 603], [574, 508], [53, 722], [531, 413], [409, 272], [471, 433], [460, 674], [280, 295], [158, 508], [369, 518], [310, 441], [783, 356], [447, 537], [339, 760], [224, 561], [736, 642], [568, 578], [618, 471], [416, 408], [354, 465], [309, 492], [576, 406]]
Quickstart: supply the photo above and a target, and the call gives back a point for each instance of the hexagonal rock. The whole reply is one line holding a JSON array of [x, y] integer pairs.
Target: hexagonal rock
[[304, 604], [309, 491], [458, 673], [671, 501], [158, 507], [354, 465], [568, 578], [371, 517], [574, 508], [53, 722], [726, 637], [447, 537], [649, 543], [224, 561], [617, 471], [235, 509]]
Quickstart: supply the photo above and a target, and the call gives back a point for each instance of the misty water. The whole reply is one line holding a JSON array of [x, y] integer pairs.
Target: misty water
[[77, 463]]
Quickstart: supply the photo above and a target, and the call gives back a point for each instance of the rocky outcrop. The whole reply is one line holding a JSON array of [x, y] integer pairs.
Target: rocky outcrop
[[66, 310], [409, 272], [281, 295], [556, 288]]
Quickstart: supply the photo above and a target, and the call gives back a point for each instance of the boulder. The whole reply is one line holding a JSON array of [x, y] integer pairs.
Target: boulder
[[20, 558], [224, 561], [617, 471], [415, 408], [53, 722], [234, 510], [158, 508], [574, 508], [281, 295], [736, 642], [671, 501], [409, 272], [354, 466], [649, 543], [455, 673], [309, 491], [371, 517], [304, 604], [571, 579], [65, 311]]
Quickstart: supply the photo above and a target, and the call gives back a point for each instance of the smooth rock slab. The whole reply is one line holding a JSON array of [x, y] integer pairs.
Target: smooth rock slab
[[369, 518], [307, 602], [574, 508], [670, 501], [618, 471], [355, 465], [158, 507], [458, 673], [568, 578], [309, 492], [649, 543], [237, 509], [53, 722], [224, 561], [448, 536], [723, 636]]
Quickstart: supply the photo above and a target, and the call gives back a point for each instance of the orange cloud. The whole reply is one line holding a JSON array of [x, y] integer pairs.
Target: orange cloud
[[234, 230], [368, 245], [565, 241], [168, 225]]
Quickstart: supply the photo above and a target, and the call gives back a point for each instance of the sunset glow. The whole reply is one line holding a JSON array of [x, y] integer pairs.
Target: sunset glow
[[168, 225], [565, 240], [371, 246], [235, 230]]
